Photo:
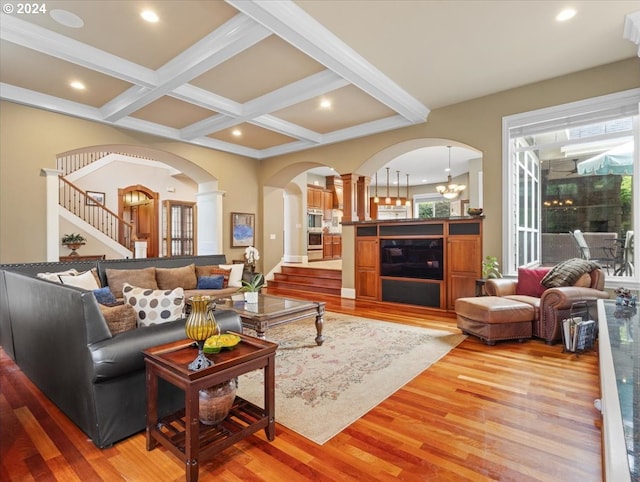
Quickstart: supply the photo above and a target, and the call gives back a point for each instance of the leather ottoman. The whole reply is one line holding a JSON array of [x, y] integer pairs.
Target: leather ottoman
[[493, 318]]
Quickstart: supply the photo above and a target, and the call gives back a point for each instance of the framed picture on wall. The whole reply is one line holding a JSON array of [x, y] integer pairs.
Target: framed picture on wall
[[94, 198], [242, 230]]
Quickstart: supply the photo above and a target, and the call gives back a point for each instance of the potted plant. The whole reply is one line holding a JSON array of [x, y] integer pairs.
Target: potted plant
[[73, 241], [252, 287], [490, 268]]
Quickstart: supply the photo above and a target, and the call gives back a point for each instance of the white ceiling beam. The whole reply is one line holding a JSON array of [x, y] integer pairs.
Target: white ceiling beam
[[294, 93], [362, 130], [51, 43], [287, 128], [225, 42], [294, 25]]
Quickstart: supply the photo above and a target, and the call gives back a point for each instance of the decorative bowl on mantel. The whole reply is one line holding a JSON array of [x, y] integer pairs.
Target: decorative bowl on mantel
[[474, 211]]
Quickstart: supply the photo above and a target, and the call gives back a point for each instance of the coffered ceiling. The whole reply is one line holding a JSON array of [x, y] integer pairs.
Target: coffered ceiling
[[209, 68]]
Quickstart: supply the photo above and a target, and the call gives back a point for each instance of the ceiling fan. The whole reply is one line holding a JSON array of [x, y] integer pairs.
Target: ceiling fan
[[572, 171]]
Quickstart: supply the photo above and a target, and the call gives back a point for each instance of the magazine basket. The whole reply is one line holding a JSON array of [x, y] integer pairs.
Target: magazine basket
[[579, 330]]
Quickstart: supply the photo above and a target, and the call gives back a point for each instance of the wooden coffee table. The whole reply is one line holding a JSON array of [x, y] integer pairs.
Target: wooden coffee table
[[272, 311], [182, 433]]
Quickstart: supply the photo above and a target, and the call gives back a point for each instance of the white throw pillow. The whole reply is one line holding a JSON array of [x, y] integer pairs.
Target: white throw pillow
[[85, 280], [55, 277], [235, 278], [154, 307]]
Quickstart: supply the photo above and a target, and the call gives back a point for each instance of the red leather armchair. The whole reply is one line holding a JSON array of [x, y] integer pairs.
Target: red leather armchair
[[553, 305]]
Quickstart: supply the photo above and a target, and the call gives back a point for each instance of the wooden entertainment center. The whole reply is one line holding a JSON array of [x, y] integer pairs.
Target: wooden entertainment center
[[428, 263]]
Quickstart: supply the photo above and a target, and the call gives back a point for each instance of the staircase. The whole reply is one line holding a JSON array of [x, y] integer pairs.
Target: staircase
[[312, 280]]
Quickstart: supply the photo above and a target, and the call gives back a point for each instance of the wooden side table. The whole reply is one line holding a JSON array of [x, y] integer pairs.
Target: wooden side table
[[182, 433]]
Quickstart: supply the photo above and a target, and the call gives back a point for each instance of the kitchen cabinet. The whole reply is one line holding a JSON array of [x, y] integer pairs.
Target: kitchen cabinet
[[367, 280], [328, 205], [332, 246], [314, 197]]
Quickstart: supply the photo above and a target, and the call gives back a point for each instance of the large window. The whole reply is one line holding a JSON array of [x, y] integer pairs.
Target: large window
[[431, 206], [568, 168]]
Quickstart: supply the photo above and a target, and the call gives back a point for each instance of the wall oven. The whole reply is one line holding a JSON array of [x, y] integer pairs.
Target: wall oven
[[314, 241], [314, 245], [314, 219]]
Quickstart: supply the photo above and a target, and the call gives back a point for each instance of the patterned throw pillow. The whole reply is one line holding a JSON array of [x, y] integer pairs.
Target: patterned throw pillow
[[154, 307], [568, 272]]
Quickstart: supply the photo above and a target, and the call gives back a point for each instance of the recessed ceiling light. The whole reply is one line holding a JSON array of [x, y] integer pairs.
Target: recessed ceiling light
[[76, 84], [566, 14], [66, 18], [149, 16], [325, 104], [236, 132]]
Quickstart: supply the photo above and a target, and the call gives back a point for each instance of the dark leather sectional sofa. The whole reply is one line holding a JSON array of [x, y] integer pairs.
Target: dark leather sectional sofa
[[59, 338]]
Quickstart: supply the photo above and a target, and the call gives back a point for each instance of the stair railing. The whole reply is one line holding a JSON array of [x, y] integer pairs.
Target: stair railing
[[96, 214]]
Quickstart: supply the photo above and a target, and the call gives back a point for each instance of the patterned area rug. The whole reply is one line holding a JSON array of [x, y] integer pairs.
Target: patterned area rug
[[320, 390]]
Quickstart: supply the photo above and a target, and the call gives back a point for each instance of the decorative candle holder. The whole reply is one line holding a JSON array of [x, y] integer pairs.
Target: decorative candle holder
[[200, 325]]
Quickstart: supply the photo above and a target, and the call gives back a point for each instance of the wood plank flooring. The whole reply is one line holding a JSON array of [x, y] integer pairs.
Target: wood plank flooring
[[511, 412]]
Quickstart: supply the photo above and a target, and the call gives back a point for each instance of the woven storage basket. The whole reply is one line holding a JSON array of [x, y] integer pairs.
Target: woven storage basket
[[215, 402]]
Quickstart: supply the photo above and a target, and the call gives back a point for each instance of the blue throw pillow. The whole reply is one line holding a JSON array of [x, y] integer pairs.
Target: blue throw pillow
[[210, 282], [105, 296]]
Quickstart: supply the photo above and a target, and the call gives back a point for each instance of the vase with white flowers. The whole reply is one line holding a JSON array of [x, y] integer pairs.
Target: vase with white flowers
[[251, 256]]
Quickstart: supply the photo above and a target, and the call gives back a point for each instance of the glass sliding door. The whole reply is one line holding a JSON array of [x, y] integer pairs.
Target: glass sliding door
[[569, 168]]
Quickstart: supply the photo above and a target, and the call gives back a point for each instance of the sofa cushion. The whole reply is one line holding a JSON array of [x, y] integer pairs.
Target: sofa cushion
[[119, 318], [529, 281], [182, 277], [210, 282], [143, 278], [154, 307], [211, 270], [87, 280], [55, 277], [105, 296], [235, 277], [568, 272]]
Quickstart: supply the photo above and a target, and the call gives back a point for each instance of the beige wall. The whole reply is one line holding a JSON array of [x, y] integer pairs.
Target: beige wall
[[476, 123], [31, 138]]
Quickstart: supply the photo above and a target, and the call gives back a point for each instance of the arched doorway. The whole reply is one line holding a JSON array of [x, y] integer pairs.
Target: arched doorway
[[140, 206]]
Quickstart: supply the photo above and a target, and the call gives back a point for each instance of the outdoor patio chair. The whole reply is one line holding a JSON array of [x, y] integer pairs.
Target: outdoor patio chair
[[606, 262]]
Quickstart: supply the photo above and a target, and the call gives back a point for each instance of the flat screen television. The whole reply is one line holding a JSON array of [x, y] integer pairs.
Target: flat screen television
[[412, 258]]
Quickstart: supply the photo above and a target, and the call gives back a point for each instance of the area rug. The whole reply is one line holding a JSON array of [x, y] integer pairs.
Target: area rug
[[320, 390]]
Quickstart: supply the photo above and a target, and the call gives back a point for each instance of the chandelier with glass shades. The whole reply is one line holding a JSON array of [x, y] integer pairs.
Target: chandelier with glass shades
[[451, 190]]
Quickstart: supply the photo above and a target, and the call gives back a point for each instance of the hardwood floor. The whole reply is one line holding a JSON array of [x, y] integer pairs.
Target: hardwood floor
[[511, 412]]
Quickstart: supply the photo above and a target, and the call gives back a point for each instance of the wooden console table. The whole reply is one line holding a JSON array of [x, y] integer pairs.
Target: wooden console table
[[182, 433], [88, 257]]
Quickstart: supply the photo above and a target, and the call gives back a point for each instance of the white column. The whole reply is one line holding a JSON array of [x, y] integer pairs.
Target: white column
[[209, 214], [52, 205], [295, 246]]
